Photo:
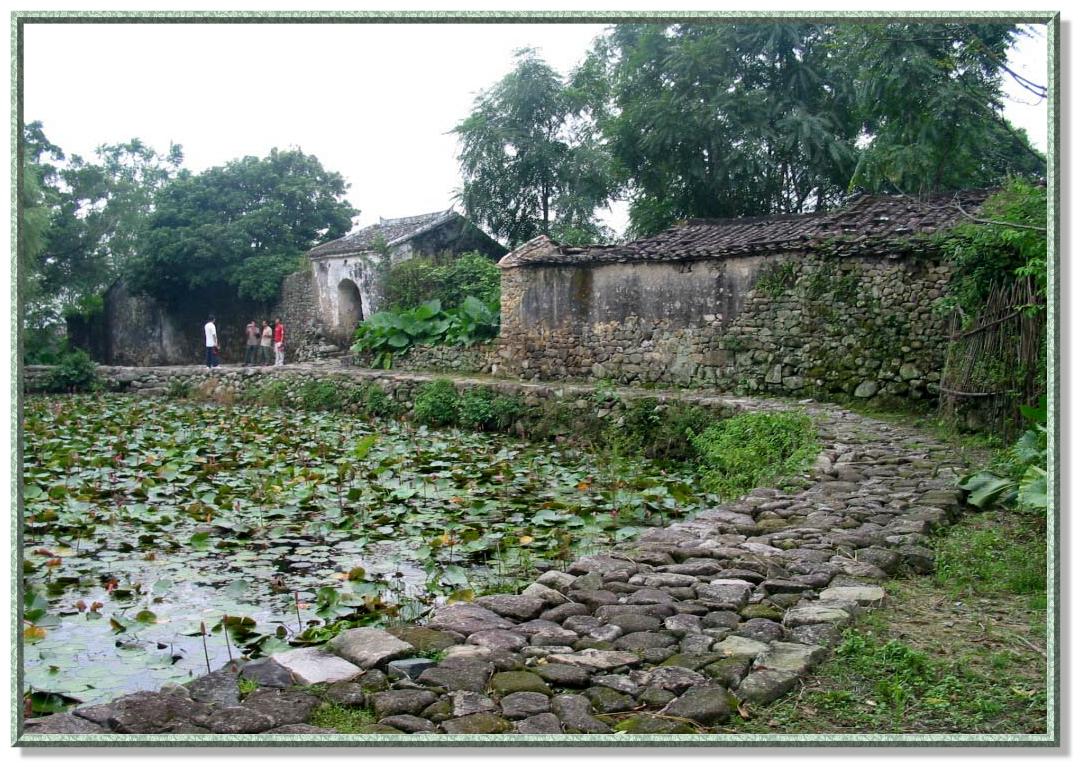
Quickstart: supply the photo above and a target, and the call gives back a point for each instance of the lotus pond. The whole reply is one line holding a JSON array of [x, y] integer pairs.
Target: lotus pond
[[160, 538]]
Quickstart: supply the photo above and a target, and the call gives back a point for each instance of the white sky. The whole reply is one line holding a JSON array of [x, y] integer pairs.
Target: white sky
[[375, 102]]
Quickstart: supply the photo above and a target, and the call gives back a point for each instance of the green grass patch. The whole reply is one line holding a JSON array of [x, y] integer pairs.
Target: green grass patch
[[754, 449], [960, 651], [343, 719]]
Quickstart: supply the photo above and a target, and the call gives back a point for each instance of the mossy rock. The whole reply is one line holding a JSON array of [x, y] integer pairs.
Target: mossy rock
[[728, 671], [425, 639], [691, 661], [653, 725], [503, 684], [762, 611], [377, 729]]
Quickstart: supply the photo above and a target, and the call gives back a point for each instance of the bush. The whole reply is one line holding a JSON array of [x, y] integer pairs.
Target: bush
[[476, 409], [321, 395], [178, 389], [754, 449], [663, 431], [377, 404], [437, 404], [1018, 478], [272, 394], [414, 282], [74, 371]]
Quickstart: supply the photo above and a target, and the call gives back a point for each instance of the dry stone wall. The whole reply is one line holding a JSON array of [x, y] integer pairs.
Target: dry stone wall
[[778, 324]]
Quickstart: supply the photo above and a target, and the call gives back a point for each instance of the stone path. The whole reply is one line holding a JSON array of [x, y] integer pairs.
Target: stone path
[[670, 635]]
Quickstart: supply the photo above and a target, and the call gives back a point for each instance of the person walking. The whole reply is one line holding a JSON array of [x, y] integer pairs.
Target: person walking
[[211, 342], [265, 343], [252, 343], [280, 342]]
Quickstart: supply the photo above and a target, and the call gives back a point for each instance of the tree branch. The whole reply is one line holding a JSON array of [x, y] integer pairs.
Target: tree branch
[[973, 218]]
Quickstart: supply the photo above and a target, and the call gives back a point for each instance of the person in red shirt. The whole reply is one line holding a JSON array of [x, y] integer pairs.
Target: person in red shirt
[[280, 342]]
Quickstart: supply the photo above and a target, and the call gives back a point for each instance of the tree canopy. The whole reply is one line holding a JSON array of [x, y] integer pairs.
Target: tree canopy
[[531, 164], [728, 120], [245, 224]]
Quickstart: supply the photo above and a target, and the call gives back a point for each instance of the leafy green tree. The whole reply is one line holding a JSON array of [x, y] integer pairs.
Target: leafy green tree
[[244, 225], [95, 210], [1006, 240], [725, 120], [530, 161], [930, 98], [731, 120]]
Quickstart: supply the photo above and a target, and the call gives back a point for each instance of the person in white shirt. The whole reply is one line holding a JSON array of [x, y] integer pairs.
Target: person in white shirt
[[211, 341]]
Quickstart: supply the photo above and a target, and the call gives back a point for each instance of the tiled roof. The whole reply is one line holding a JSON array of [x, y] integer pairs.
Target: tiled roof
[[394, 232], [867, 225]]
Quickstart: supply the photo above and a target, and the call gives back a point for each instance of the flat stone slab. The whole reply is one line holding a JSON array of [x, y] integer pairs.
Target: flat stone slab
[[519, 705], [153, 712], [467, 618], [62, 723], [311, 665], [815, 615], [794, 657], [761, 687], [284, 707], [368, 647], [705, 704], [410, 668], [518, 607], [596, 659], [737, 645], [867, 595]]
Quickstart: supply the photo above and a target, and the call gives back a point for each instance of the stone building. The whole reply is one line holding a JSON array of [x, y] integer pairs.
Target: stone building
[[344, 271], [821, 303]]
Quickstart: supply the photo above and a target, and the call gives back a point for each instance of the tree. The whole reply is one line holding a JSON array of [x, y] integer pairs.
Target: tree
[[745, 119], [531, 164], [96, 211], [244, 225], [931, 105]]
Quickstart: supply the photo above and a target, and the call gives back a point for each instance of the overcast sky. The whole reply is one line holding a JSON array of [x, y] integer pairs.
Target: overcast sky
[[375, 102]]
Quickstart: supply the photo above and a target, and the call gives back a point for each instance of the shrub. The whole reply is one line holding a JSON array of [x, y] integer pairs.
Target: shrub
[[1018, 478], [754, 449], [272, 394], [476, 409], [74, 371], [414, 282], [321, 395], [507, 411], [377, 404], [437, 404], [178, 389], [663, 431]]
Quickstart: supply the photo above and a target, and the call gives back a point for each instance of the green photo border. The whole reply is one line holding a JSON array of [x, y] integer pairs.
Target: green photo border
[[1051, 738]]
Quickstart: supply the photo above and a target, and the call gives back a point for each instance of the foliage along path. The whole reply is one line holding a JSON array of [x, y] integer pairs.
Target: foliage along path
[[676, 631]]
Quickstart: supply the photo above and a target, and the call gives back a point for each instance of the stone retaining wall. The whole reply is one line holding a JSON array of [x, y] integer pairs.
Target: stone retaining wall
[[445, 359], [767, 324], [669, 634]]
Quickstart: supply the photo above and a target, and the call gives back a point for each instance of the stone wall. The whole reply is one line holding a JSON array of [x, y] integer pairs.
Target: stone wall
[[444, 359], [782, 324], [137, 330], [230, 384]]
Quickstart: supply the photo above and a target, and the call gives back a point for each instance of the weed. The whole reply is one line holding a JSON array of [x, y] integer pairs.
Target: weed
[[342, 719], [377, 404], [75, 371], [754, 449], [317, 394], [437, 403], [246, 686], [178, 389]]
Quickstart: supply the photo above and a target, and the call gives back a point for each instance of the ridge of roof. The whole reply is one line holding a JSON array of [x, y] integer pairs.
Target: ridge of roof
[[394, 231], [868, 223]]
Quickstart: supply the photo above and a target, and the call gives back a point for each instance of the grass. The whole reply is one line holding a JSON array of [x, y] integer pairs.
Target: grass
[[961, 651], [343, 719]]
